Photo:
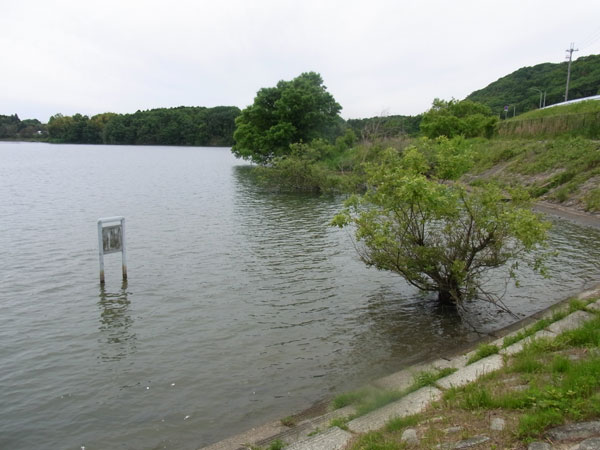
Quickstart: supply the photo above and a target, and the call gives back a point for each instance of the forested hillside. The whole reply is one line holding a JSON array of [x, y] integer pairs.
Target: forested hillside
[[164, 126], [521, 88]]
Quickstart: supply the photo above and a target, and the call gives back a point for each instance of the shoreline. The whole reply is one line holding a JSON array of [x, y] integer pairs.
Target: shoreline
[[568, 213], [270, 431]]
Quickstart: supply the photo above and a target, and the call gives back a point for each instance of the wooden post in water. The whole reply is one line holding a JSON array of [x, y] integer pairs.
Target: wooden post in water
[[111, 239]]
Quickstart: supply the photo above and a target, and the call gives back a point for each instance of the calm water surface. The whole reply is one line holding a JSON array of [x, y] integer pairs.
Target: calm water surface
[[242, 305]]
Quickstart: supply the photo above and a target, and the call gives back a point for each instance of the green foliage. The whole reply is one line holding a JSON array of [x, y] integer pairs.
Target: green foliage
[[532, 424], [369, 399], [376, 399], [164, 126], [527, 362], [587, 335], [11, 127], [428, 378], [518, 89], [385, 127], [556, 168], [366, 399], [539, 325], [458, 118], [592, 200], [559, 388], [477, 397], [340, 422], [375, 440], [556, 121], [277, 445], [294, 111], [312, 168], [483, 351], [288, 421], [584, 107], [560, 364], [347, 398], [399, 423], [434, 232]]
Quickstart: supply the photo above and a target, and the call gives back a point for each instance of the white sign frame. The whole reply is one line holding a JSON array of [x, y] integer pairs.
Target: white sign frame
[[111, 239]]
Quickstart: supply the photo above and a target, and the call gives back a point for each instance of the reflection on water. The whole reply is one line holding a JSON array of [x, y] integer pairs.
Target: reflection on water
[[115, 324]]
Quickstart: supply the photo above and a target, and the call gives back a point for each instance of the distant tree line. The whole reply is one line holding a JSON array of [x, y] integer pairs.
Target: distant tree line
[[385, 126], [11, 127], [183, 125], [521, 89]]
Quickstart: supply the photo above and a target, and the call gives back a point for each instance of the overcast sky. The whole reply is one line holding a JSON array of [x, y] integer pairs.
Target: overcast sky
[[375, 56]]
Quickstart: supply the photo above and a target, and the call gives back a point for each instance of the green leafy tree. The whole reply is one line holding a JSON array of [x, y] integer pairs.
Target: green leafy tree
[[294, 111], [418, 221], [458, 118]]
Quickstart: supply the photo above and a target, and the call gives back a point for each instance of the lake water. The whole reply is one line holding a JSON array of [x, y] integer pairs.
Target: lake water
[[242, 305]]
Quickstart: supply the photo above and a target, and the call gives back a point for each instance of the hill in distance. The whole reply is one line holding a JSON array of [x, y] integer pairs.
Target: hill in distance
[[519, 88]]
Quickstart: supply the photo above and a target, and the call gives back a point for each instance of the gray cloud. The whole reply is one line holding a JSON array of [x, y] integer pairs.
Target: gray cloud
[[379, 56]]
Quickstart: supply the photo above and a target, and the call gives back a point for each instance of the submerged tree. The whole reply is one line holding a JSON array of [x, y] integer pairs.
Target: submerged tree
[[418, 221], [294, 111]]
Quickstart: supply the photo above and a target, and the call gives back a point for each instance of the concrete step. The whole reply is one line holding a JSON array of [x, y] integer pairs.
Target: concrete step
[[572, 321], [239, 441], [404, 378], [332, 439], [413, 403], [471, 372], [302, 430]]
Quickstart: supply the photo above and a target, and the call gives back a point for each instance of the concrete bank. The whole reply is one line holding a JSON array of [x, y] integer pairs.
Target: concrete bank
[[313, 432]]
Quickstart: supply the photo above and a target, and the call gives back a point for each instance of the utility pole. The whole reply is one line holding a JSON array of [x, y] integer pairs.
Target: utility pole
[[570, 51]]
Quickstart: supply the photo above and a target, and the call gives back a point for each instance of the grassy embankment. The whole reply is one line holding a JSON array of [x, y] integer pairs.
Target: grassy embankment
[[577, 119], [561, 169], [550, 382]]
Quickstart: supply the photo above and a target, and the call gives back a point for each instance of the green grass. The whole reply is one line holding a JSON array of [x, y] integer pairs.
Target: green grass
[[376, 400], [574, 108], [277, 445], [555, 167], [574, 305], [578, 119], [368, 399], [340, 422], [560, 388], [483, 351], [376, 441], [591, 200], [588, 335], [477, 397], [348, 398], [288, 421], [400, 423], [561, 379], [428, 378]]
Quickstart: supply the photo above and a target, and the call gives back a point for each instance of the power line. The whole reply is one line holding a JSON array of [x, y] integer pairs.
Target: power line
[[590, 39], [570, 51]]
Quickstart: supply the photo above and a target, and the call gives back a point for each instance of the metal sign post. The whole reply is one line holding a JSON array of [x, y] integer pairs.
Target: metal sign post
[[111, 239]]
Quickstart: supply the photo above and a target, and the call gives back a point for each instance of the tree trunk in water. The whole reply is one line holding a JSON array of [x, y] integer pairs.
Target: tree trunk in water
[[448, 293]]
